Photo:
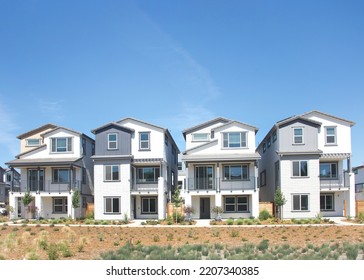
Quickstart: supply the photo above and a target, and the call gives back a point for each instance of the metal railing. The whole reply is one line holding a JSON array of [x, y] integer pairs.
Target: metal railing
[[220, 184], [48, 186], [341, 181]]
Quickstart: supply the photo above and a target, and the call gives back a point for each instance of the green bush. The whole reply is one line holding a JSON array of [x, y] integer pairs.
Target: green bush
[[230, 222], [264, 215]]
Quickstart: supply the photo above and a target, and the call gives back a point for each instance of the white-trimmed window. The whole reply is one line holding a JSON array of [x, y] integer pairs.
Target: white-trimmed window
[[327, 202], [148, 174], [149, 205], [200, 137], [300, 202], [298, 135], [111, 173], [112, 205], [32, 142], [61, 175], [359, 188], [60, 205], [328, 170], [61, 144], [236, 204], [236, 172], [235, 140], [112, 141], [144, 140], [330, 135], [300, 168]]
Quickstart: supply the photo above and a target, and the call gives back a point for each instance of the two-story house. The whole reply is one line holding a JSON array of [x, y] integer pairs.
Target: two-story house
[[54, 162], [221, 169], [359, 182], [308, 158], [9, 178], [135, 169]]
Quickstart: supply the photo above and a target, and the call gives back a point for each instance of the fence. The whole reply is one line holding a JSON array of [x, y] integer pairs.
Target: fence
[[359, 206]]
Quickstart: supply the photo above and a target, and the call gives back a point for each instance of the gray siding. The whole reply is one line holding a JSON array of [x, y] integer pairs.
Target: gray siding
[[310, 139], [123, 143]]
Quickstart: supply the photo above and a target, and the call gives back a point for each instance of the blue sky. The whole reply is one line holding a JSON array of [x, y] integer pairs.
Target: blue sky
[[81, 64]]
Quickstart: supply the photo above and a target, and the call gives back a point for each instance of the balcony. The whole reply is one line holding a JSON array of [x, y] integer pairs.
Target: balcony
[[341, 181], [142, 187], [218, 184], [47, 187]]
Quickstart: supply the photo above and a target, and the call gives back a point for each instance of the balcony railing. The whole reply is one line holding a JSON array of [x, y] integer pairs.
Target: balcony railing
[[144, 186], [219, 184], [48, 186], [341, 181]]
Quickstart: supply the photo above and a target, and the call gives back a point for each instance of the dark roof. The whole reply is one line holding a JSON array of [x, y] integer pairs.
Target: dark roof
[[36, 130]]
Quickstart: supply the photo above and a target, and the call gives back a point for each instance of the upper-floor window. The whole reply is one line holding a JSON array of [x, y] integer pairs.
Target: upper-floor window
[[180, 166], [264, 147], [93, 149], [148, 174], [61, 144], [269, 142], [234, 140], [144, 140], [200, 137], [83, 146], [298, 135], [274, 136], [112, 141], [32, 142], [300, 168], [111, 173], [330, 135], [328, 170], [61, 175], [236, 172]]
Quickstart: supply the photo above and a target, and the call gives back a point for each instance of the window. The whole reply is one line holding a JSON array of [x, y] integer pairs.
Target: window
[[180, 166], [330, 135], [33, 142], [235, 140], [236, 172], [112, 205], [236, 204], [300, 202], [83, 175], [83, 146], [263, 178], [111, 173], [269, 142], [264, 147], [93, 149], [60, 205], [274, 136], [204, 177], [149, 205], [144, 140], [327, 202], [200, 137], [61, 175], [328, 170], [148, 174], [300, 168], [61, 145], [359, 188], [298, 135], [112, 141]]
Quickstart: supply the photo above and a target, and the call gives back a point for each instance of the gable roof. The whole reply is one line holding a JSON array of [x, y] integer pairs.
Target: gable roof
[[205, 124], [70, 130], [94, 131], [36, 130], [238, 123], [315, 112]]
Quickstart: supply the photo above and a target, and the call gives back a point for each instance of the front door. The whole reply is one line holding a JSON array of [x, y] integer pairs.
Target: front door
[[205, 208]]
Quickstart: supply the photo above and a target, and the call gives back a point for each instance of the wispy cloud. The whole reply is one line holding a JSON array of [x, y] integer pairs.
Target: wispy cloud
[[51, 108]]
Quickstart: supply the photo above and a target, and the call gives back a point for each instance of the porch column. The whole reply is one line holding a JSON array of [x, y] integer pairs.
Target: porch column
[[38, 179], [38, 206], [255, 204], [351, 197], [161, 199], [217, 177], [70, 210]]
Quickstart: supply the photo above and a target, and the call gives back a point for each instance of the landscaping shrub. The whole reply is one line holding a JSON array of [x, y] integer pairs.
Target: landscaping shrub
[[264, 215]]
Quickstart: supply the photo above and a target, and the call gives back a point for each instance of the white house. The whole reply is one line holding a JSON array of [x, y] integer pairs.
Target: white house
[[221, 169], [135, 168], [308, 158], [54, 162]]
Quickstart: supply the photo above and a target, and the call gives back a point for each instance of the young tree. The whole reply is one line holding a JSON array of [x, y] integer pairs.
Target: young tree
[[27, 199], [76, 200], [177, 201], [279, 201]]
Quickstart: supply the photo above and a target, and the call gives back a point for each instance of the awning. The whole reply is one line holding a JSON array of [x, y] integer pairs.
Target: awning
[[17, 163], [336, 156]]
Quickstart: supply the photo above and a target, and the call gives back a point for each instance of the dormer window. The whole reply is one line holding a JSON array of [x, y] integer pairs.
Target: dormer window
[[298, 135], [33, 142], [112, 140], [200, 137], [330, 135], [234, 140], [61, 145]]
